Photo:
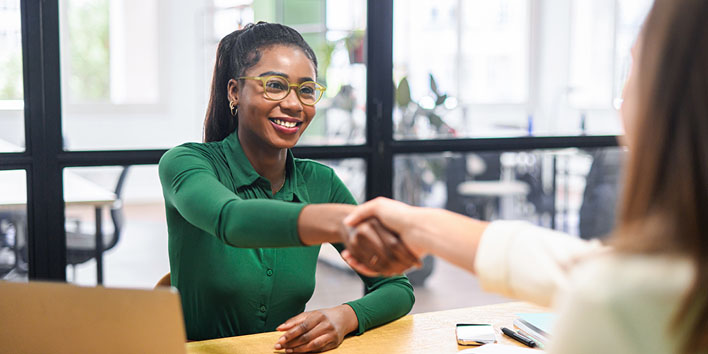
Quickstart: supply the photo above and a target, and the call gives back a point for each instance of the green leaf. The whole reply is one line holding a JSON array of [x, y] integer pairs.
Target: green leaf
[[403, 93], [435, 120], [441, 100], [434, 85]]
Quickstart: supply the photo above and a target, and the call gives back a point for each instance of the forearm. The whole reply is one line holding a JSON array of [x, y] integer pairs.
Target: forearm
[[386, 303], [322, 223], [523, 261], [258, 223], [451, 236], [281, 224]]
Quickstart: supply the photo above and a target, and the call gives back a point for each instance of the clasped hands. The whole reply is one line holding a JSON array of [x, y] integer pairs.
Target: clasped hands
[[379, 238]]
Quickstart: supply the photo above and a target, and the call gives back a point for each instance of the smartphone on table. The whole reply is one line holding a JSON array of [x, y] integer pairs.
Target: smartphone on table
[[475, 333]]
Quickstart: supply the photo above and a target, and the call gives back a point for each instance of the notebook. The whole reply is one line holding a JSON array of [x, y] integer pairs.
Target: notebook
[[44, 317], [537, 326]]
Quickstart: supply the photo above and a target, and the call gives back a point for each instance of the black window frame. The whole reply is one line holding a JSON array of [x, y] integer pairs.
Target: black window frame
[[44, 158]]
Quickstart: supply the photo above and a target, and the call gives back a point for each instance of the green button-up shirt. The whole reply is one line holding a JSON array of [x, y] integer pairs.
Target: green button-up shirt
[[235, 254]]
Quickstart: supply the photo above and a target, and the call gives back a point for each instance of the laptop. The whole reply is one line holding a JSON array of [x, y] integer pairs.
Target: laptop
[[45, 317]]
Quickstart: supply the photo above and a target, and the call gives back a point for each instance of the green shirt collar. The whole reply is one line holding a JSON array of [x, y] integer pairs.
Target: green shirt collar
[[244, 174]]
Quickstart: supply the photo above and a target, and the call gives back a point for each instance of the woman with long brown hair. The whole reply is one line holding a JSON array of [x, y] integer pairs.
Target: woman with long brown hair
[[647, 290]]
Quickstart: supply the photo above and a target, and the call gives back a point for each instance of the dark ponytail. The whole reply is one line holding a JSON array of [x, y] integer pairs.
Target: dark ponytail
[[238, 51]]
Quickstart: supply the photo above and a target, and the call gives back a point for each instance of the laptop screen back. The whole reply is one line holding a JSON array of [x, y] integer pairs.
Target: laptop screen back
[[43, 317]]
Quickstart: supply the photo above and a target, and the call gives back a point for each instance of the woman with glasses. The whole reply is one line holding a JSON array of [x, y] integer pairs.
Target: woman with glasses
[[246, 219], [646, 291]]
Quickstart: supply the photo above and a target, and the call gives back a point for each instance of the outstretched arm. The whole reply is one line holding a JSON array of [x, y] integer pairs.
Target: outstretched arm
[[512, 258], [446, 234], [191, 186]]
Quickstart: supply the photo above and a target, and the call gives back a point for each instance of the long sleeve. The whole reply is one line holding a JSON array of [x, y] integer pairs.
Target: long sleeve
[[519, 260], [386, 298], [191, 186]]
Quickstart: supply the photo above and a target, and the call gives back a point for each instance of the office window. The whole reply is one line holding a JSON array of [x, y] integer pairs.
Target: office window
[[591, 54], [129, 202], [458, 62], [110, 52], [602, 33], [115, 92], [11, 88], [137, 75], [572, 190], [13, 225], [353, 173], [506, 68]]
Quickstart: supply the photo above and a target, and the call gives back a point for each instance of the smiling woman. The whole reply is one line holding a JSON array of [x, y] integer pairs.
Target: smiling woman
[[246, 219], [274, 117]]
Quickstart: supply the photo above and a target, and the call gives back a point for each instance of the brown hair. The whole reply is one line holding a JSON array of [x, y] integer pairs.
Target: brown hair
[[238, 51], [665, 202]]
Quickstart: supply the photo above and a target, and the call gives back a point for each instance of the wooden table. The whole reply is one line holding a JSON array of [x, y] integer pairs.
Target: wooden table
[[432, 332]]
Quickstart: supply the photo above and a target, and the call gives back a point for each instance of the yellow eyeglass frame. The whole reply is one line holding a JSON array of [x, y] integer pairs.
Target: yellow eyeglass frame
[[265, 79]]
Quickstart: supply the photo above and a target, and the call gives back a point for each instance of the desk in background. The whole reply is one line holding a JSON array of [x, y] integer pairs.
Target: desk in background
[[78, 191], [432, 332]]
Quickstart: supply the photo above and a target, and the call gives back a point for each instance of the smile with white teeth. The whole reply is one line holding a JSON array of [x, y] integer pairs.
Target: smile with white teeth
[[284, 123]]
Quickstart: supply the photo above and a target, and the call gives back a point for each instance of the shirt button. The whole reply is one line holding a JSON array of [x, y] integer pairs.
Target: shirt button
[[269, 272], [263, 308]]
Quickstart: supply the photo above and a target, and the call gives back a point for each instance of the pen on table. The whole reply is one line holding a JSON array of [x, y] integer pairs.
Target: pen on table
[[526, 341]]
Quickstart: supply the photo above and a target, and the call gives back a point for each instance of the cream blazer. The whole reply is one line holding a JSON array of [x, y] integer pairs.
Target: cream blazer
[[606, 302]]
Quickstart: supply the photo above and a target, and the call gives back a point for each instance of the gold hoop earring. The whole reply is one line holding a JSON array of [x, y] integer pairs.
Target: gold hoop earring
[[233, 108]]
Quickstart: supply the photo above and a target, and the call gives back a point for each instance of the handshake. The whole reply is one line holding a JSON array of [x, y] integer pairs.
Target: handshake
[[384, 237], [378, 238]]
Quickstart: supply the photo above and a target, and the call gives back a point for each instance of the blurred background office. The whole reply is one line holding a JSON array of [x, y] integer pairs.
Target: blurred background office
[[491, 108]]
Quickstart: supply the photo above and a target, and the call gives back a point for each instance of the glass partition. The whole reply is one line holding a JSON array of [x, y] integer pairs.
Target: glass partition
[[353, 173], [125, 203], [136, 74], [12, 129], [571, 190], [510, 68]]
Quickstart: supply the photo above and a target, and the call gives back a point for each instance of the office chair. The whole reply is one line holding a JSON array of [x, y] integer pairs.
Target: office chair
[[8, 249], [164, 281], [81, 242], [603, 184]]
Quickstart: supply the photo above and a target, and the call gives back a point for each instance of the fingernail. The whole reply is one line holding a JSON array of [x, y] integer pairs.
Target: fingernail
[[278, 346], [288, 350]]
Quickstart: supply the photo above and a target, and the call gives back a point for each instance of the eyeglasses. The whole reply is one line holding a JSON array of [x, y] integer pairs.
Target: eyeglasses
[[276, 88]]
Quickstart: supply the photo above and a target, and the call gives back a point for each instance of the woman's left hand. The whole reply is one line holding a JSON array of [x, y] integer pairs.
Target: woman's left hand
[[317, 331]]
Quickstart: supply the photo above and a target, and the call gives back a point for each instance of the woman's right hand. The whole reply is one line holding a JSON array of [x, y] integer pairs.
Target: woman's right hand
[[397, 217], [452, 236], [391, 220], [379, 251], [369, 241]]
